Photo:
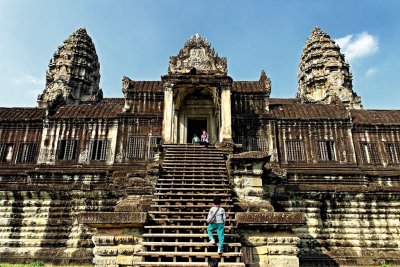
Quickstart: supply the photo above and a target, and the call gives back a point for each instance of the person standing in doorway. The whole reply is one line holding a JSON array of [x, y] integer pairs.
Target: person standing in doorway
[[216, 219], [205, 138]]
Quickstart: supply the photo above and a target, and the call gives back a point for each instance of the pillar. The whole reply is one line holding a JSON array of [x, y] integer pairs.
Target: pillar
[[225, 132], [168, 120]]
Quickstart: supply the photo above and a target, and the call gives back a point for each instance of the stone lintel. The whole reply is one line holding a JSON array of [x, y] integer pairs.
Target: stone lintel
[[113, 219], [250, 155], [183, 79], [271, 219]]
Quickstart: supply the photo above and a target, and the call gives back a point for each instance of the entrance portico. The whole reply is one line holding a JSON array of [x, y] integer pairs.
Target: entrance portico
[[197, 95]]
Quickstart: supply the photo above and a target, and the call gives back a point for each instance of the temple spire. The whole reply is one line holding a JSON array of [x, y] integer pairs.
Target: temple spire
[[324, 76], [73, 76]]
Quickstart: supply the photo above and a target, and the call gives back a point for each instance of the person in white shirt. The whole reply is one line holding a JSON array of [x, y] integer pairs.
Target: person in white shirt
[[216, 219]]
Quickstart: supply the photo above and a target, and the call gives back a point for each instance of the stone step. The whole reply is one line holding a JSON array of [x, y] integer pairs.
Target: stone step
[[192, 176], [197, 160], [200, 193], [188, 244], [194, 162], [187, 264], [188, 206], [208, 200], [194, 151], [193, 189], [193, 168], [193, 185], [199, 179], [184, 212], [194, 157], [187, 220], [186, 235], [179, 227], [187, 254]]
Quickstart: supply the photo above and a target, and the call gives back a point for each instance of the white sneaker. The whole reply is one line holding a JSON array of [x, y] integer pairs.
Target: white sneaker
[[220, 251], [212, 241]]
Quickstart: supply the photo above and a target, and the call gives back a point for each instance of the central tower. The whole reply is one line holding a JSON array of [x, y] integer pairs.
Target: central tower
[[197, 94]]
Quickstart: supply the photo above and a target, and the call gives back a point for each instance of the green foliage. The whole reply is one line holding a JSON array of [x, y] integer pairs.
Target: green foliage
[[36, 264]]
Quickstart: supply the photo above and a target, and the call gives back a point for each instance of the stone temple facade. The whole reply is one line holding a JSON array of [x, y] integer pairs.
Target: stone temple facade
[[312, 180]]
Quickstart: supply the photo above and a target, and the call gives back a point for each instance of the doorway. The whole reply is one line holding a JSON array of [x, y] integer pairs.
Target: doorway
[[195, 126]]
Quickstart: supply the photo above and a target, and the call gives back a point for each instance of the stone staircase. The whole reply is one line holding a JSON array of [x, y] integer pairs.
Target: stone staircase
[[176, 232]]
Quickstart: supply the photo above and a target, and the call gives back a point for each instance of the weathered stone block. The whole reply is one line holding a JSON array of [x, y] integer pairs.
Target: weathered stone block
[[103, 240], [105, 261], [282, 261], [105, 251], [124, 260], [124, 239]]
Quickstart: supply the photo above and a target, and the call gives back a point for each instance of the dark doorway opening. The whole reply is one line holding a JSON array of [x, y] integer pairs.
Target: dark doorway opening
[[195, 126]]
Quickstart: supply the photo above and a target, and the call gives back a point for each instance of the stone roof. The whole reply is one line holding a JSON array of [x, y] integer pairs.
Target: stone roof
[[22, 114], [156, 86], [376, 117], [302, 111], [247, 86], [145, 86], [281, 101], [105, 109]]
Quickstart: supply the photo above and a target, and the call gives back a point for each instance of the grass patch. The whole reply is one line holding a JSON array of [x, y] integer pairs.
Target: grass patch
[[40, 264]]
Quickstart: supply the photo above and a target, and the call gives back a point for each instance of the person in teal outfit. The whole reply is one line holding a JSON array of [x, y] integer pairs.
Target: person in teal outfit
[[216, 219]]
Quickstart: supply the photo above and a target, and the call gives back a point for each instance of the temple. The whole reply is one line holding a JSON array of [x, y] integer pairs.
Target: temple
[[312, 180]]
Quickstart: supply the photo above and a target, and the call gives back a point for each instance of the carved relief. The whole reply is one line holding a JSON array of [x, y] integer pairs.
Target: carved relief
[[197, 57]]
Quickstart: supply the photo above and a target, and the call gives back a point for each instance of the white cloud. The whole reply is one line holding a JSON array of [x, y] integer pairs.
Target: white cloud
[[358, 46], [29, 79], [371, 72]]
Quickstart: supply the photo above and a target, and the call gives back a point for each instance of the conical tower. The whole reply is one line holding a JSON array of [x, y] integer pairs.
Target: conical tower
[[324, 75], [73, 76]]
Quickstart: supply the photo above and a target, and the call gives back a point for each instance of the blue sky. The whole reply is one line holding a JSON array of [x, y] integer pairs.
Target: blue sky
[[136, 39]]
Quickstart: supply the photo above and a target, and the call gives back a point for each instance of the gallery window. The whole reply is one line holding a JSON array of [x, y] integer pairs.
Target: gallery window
[[6, 152], [294, 150], [140, 147], [326, 150], [393, 152], [99, 149], [26, 152], [67, 149], [369, 153]]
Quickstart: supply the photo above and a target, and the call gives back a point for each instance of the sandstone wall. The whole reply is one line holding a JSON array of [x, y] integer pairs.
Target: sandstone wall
[[347, 227], [38, 220]]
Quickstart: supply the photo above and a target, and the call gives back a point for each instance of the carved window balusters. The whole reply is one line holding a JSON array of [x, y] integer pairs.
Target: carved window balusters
[[294, 150], [140, 147], [136, 147], [67, 149], [251, 143], [326, 150], [393, 152], [26, 152], [6, 152], [369, 153], [99, 149]]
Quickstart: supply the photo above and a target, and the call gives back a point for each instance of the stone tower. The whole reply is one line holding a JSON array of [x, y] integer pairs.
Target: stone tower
[[324, 75], [73, 76]]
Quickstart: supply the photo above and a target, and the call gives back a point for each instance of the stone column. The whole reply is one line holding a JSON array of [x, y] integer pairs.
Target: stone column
[[226, 116], [168, 120]]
